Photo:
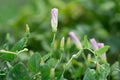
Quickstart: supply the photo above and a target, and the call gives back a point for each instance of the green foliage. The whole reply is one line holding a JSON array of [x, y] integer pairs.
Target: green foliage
[[7, 55], [90, 74], [18, 72], [101, 74], [86, 43], [104, 71], [45, 72], [34, 63], [101, 51], [32, 57], [115, 71], [47, 67]]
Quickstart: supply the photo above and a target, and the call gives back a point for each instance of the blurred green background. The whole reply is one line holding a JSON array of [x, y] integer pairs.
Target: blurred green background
[[96, 18]]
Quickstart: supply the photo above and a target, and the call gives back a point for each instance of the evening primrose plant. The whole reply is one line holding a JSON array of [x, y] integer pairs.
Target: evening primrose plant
[[89, 62]]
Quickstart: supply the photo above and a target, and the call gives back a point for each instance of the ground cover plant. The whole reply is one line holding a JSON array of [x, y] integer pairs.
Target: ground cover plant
[[68, 58]]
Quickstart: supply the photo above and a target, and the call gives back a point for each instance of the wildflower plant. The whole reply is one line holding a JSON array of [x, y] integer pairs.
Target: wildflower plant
[[88, 63]]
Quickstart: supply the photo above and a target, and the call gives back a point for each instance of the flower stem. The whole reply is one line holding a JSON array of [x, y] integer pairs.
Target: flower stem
[[84, 57], [69, 62], [53, 40]]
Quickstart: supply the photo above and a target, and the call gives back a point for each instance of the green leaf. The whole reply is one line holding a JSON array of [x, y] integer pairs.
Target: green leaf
[[47, 56], [19, 45], [19, 72], [45, 72], [101, 51], [78, 72], [86, 43], [52, 62], [115, 71], [22, 43], [104, 71], [90, 74], [34, 63]]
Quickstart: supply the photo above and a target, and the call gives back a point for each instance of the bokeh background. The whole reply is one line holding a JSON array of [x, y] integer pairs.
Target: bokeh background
[[98, 19]]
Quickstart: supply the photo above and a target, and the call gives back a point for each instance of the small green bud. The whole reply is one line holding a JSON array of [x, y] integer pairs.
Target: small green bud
[[52, 72], [27, 28], [98, 67], [68, 43], [62, 43]]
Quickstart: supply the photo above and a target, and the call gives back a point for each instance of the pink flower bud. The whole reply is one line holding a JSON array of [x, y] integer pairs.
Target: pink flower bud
[[54, 19], [94, 44], [103, 56], [100, 45], [75, 40]]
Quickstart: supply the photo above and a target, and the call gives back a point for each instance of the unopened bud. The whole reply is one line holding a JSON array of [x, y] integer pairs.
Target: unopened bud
[[103, 56], [52, 72], [97, 46], [54, 19], [62, 43], [89, 57], [68, 42], [89, 60], [75, 40], [98, 67], [27, 28], [94, 44], [55, 45], [42, 61]]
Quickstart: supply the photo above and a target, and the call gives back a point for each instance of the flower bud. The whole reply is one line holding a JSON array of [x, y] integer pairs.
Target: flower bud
[[42, 61], [54, 19], [103, 56], [27, 28], [75, 40], [94, 44], [100, 45], [62, 43], [89, 57], [55, 44], [52, 72], [98, 67], [68, 43]]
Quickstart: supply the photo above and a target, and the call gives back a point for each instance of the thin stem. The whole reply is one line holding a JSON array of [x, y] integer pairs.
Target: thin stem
[[84, 57], [7, 52], [69, 62], [25, 49], [91, 51], [78, 53], [61, 56], [52, 44], [14, 53], [53, 40], [58, 62]]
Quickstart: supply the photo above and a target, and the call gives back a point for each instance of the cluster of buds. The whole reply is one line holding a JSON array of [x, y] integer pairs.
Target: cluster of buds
[[96, 46]]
